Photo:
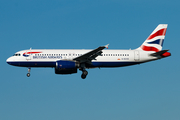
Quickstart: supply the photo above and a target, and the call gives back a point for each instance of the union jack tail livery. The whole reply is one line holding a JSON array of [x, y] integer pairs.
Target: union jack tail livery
[[155, 41]]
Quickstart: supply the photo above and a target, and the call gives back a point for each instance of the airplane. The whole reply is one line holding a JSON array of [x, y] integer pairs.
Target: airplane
[[68, 61]]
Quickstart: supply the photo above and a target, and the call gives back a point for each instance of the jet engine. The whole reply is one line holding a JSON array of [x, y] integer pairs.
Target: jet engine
[[66, 67]]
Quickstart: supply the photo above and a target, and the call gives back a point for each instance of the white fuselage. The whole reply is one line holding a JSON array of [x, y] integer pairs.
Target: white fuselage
[[48, 58]]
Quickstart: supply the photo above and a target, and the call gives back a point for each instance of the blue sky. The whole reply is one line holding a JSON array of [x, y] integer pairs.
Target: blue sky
[[147, 91]]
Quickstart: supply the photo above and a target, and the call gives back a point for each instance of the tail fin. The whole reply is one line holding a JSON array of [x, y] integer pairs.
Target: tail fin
[[155, 41]]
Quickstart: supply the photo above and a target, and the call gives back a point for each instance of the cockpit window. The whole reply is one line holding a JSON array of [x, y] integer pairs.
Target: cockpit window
[[17, 54]]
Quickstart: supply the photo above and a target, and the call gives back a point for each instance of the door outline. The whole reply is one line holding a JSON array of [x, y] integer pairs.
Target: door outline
[[136, 55]]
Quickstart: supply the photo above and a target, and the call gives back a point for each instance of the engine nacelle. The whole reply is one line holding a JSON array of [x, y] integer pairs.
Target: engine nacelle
[[66, 67]]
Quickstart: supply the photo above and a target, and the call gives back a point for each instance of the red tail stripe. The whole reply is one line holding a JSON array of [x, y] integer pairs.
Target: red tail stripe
[[149, 48], [158, 33]]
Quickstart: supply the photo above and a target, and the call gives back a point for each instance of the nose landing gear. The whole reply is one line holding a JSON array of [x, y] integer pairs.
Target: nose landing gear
[[28, 74]]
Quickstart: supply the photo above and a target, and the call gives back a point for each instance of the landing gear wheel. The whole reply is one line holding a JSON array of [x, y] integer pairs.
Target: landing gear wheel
[[28, 74], [84, 74]]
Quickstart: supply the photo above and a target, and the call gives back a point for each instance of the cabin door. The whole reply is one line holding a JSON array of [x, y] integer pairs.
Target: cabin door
[[136, 55]]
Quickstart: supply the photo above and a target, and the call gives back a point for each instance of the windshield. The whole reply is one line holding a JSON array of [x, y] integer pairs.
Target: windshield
[[17, 54]]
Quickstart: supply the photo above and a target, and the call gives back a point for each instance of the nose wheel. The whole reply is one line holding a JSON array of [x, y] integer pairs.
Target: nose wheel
[[28, 74], [84, 74]]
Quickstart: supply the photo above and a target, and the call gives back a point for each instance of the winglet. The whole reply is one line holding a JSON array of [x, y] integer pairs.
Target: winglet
[[106, 46]]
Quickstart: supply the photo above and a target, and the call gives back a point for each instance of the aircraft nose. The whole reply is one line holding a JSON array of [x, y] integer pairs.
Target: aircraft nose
[[9, 60]]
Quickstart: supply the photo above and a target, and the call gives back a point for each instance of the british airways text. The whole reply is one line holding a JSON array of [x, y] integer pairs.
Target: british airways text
[[47, 57]]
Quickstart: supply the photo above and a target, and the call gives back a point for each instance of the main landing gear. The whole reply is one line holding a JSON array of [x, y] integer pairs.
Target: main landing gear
[[28, 74], [84, 74]]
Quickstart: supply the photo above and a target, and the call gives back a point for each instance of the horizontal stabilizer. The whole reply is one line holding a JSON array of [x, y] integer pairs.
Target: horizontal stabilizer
[[159, 53]]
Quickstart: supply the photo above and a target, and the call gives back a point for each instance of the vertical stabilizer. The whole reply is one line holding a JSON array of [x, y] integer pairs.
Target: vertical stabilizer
[[155, 40]]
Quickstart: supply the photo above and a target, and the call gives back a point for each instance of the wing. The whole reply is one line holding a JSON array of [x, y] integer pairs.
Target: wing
[[88, 57]]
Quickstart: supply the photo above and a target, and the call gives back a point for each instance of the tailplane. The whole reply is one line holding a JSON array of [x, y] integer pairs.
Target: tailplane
[[162, 53], [155, 41]]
